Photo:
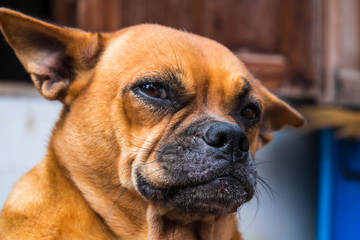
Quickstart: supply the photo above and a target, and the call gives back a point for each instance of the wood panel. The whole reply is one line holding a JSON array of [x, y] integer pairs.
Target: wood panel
[[298, 23], [331, 41], [272, 69], [64, 12], [350, 33], [246, 27], [284, 29], [348, 87], [239, 24], [341, 84], [347, 73]]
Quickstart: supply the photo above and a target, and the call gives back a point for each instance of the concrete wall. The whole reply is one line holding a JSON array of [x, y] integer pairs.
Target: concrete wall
[[25, 128]]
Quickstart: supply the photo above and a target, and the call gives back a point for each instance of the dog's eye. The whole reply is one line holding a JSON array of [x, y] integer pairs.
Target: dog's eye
[[154, 90], [250, 112]]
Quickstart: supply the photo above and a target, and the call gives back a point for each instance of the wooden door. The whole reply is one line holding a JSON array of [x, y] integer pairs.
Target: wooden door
[[304, 49], [341, 52]]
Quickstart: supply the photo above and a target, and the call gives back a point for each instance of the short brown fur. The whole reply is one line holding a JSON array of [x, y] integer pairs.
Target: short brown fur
[[85, 188]]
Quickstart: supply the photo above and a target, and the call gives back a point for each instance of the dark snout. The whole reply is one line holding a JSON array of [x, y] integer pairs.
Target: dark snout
[[227, 138], [208, 168]]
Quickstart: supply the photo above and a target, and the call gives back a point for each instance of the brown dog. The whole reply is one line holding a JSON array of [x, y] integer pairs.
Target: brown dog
[[156, 139]]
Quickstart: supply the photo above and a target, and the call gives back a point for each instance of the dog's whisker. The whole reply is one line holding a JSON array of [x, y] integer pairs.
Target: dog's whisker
[[261, 163], [173, 231], [174, 52], [259, 71], [96, 141], [268, 189], [181, 232], [138, 151], [148, 149], [167, 191], [145, 140], [167, 58], [115, 202], [112, 188], [257, 207], [155, 171], [154, 161], [261, 160], [85, 135], [118, 198], [180, 144]]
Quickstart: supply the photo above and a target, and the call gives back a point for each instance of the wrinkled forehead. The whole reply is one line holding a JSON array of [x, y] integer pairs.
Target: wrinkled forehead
[[144, 49], [151, 45]]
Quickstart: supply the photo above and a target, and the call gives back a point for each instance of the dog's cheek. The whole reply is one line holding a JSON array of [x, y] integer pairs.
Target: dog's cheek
[[125, 167], [145, 160], [139, 148], [86, 146], [130, 162]]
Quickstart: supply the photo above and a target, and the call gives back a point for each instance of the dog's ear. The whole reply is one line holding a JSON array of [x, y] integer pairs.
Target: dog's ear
[[277, 114], [54, 56]]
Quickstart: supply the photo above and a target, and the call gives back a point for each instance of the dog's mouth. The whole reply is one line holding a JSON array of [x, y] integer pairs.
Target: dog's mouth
[[210, 171], [220, 195]]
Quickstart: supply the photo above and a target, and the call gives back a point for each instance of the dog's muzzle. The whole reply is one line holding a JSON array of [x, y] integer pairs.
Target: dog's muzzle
[[229, 139], [208, 170]]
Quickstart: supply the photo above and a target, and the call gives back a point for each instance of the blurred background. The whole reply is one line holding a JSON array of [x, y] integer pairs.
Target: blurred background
[[307, 52]]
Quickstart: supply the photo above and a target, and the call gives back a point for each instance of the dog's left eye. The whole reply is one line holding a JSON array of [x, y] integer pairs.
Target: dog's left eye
[[250, 112], [154, 90]]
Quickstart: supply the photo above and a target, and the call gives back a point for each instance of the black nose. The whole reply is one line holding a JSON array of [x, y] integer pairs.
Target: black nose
[[226, 137]]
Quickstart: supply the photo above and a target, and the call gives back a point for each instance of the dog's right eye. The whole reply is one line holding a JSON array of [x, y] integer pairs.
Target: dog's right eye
[[154, 90]]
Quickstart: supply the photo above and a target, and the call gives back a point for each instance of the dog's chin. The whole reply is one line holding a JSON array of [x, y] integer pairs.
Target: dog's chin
[[219, 196]]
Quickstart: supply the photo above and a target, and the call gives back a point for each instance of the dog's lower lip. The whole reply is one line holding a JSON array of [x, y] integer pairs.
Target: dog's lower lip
[[220, 183], [224, 180]]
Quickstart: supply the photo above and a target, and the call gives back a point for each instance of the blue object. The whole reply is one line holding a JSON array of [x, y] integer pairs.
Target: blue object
[[325, 186], [339, 189]]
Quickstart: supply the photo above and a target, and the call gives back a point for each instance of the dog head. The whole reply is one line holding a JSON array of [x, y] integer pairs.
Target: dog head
[[172, 117]]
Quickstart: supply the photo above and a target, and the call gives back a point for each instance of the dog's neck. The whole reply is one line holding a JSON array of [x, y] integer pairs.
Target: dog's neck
[[210, 228]]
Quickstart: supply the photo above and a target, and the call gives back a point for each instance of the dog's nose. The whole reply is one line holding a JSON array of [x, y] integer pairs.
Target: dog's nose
[[226, 137]]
